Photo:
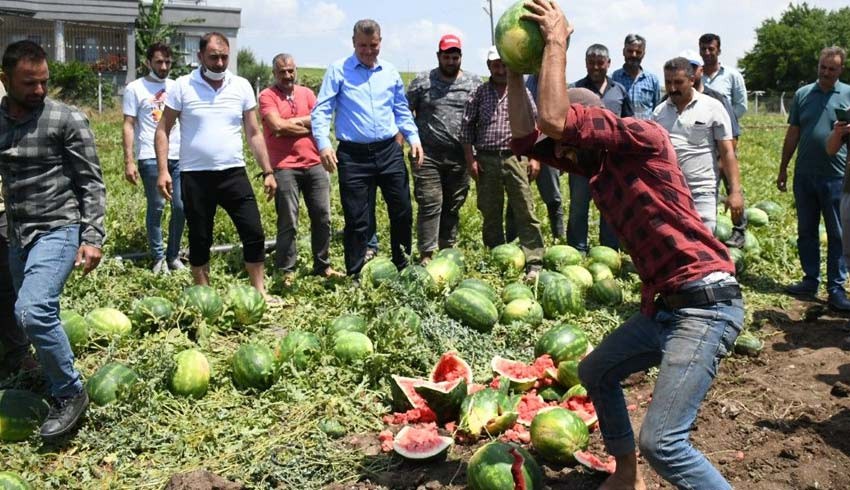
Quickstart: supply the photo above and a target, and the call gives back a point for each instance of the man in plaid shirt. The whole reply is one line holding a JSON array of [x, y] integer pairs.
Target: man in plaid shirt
[[485, 127], [55, 202], [691, 306]]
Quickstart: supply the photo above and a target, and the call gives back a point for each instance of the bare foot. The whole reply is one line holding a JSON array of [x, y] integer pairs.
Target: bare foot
[[623, 482]]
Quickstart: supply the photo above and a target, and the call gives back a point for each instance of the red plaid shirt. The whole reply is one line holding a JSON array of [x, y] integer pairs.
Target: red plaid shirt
[[485, 124], [641, 191]]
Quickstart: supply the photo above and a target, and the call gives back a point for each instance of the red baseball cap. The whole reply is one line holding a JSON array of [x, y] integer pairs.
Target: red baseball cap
[[449, 41]]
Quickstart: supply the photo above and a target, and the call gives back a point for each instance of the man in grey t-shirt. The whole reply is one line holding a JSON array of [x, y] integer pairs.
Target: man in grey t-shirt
[[701, 133], [441, 183]]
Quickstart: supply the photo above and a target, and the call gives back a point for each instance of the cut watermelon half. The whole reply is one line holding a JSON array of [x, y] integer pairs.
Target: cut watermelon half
[[421, 443], [450, 367], [595, 463]]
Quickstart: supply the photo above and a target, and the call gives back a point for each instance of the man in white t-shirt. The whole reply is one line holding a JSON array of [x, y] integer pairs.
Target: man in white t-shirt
[[214, 106], [701, 132], [144, 100]]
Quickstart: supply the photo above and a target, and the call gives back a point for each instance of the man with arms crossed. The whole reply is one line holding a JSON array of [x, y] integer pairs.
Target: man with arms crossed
[[144, 100], [440, 184], [213, 107], [691, 308], [367, 95], [55, 202], [701, 133], [285, 108], [818, 178]]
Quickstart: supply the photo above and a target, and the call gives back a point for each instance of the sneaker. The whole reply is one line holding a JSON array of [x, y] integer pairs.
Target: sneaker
[[176, 265], [737, 239], [370, 254], [532, 272], [160, 267], [65, 415], [802, 289], [838, 301]]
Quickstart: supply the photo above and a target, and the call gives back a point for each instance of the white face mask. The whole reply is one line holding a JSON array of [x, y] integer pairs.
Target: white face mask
[[214, 76], [156, 77]]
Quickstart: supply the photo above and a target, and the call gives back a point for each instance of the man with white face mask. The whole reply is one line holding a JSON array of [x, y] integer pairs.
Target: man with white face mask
[[144, 100], [214, 106]]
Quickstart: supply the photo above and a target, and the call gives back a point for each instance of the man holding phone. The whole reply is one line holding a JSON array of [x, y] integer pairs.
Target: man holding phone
[[819, 179]]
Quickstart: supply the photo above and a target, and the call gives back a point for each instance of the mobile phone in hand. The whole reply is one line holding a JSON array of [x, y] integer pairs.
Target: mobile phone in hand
[[842, 115]]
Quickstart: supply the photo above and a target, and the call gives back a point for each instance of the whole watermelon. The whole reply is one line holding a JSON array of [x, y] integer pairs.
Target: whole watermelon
[[508, 258], [557, 433], [416, 279], [403, 316], [444, 272], [201, 301], [600, 271], [607, 292], [246, 304], [453, 254], [519, 41], [298, 347], [563, 343], [774, 210], [76, 329], [481, 286], [607, 256], [190, 375], [13, 481], [492, 468], [516, 290], [557, 257], [352, 346], [756, 217], [348, 322], [580, 276], [111, 382], [473, 309], [21, 413], [545, 278], [523, 310], [738, 259], [378, 271], [253, 366], [109, 322], [752, 248], [152, 313], [722, 231], [560, 298]]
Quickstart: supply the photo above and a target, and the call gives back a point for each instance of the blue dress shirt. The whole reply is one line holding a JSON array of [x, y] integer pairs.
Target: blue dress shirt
[[370, 104]]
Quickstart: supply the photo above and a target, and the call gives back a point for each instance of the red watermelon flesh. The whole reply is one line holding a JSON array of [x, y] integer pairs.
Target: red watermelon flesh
[[420, 442], [596, 463], [516, 470], [450, 367], [529, 404]]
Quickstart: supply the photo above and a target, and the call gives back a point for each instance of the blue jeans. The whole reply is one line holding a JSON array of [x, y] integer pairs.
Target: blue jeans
[[39, 272], [156, 205], [687, 345], [577, 221], [818, 196]]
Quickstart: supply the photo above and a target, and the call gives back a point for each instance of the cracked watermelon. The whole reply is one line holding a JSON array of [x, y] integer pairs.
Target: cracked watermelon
[[503, 466], [443, 398], [489, 410], [519, 41], [450, 367]]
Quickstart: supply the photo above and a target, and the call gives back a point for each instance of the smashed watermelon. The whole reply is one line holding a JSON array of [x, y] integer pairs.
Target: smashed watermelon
[[421, 443]]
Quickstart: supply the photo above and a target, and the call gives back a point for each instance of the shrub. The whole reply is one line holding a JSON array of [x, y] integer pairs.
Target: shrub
[[75, 82]]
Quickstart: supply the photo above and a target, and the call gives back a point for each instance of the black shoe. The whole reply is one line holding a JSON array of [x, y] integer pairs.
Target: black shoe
[[64, 416], [838, 301], [801, 289], [737, 239]]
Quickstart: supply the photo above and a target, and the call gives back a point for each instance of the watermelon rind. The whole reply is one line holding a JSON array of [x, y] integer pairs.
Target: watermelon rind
[[575, 390], [190, 375], [13, 481], [494, 465], [557, 433], [473, 309], [482, 287], [449, 367], [21, 413], [421, 443], [502, 367], [593, 462], [110, 383], [444, 398], [519, 41], [404, 395], [562, 342]]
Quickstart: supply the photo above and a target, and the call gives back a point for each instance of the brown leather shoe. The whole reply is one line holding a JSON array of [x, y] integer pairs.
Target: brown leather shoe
[[331, 273]]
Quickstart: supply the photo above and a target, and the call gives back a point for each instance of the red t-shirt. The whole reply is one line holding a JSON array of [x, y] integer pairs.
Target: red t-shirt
[[640, 190], [289, 151]]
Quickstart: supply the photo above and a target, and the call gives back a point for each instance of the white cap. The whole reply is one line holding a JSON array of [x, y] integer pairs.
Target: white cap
[[493, 54], [692, 56]]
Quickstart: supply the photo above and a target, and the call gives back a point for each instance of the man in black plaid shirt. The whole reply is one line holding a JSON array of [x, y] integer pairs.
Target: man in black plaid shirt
[[55, 202]]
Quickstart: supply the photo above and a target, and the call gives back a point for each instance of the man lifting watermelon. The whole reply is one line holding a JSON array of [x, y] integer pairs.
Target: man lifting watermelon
[[691, 306]]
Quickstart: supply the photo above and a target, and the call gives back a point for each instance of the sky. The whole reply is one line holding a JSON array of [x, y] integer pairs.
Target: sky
[[317, 33]]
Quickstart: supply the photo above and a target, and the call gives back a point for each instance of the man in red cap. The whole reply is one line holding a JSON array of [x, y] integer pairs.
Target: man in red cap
[[440, 184]]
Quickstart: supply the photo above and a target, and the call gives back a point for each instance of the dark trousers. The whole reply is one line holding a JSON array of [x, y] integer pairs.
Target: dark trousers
[[362, 169], [203, 192], [13, 340], [440, 185], [314, 184]]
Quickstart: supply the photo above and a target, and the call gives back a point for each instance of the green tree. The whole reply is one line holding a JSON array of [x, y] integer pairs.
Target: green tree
[[256, 73], [150, 29], [785, 55]]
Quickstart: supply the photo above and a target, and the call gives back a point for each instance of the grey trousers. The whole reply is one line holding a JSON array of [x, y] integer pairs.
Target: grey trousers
[[314, 184], [440, 186]]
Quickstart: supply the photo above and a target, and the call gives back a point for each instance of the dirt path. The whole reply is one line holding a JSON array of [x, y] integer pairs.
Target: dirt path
[[780, 421]]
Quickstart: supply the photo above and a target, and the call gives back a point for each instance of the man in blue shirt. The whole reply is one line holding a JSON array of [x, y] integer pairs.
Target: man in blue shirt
[[367, 96], [644, 88], [723, 79], [818, 177], [616, 99]]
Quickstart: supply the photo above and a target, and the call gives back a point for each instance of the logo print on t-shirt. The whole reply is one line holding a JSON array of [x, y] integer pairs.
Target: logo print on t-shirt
[[157, 102]]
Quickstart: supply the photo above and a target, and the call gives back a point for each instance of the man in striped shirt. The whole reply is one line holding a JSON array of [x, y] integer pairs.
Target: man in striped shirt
[[486, 129]]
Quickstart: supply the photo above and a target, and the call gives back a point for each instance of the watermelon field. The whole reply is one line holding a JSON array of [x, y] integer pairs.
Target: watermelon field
[[300, 398]]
